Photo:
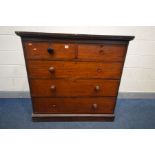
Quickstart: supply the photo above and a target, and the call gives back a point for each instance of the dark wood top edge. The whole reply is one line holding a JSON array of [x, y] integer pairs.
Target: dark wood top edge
[[73, 36]]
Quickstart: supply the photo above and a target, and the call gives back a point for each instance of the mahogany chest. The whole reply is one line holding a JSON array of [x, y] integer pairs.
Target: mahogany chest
[[74, 77]]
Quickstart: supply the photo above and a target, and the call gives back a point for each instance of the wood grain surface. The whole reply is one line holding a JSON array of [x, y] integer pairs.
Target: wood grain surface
[[69, 69], [74, 105], [39, 50], [104, 52], [73, 87]]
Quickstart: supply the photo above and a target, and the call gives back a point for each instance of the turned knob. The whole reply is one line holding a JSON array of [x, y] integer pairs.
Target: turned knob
[[99, 70], [101, 51], [50, 50], [52, 69], [54, 107], [53, 87], [97, 88], [94, 106]]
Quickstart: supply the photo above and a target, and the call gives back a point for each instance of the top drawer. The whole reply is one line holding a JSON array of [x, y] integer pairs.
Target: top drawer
[[104, 52], [47, 50]]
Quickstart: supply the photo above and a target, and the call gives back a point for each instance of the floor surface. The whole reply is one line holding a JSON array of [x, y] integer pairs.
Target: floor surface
[[130, 114]]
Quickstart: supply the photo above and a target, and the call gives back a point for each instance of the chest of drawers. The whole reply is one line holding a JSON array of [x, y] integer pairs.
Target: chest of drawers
[[74, 77]]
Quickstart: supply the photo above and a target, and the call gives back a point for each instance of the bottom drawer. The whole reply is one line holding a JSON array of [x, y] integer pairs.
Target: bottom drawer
[[99, 105]]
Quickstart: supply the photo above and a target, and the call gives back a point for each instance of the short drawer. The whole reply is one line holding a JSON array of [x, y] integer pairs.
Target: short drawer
[[105, 52], [64, 69], [47, 50], [73, 87], [74, 105]]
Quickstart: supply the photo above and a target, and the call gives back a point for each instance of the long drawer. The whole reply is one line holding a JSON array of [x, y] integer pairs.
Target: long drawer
[[68, 69], [102, 105], [73, 87]]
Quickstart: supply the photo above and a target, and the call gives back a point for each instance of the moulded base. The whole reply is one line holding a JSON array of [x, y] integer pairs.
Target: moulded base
[[73, 117]]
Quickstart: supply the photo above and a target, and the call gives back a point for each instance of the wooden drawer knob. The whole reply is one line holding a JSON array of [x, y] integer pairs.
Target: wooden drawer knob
[[52, 69], [54, 107], [97, 88], [101, 51], [53, 87], [94, 106], [50, 50], [99, 70]]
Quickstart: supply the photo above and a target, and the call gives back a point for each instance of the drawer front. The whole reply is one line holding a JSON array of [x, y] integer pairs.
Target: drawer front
[[105, 52], [47, 50], [74, 105], [73, 87], [62, 69]]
